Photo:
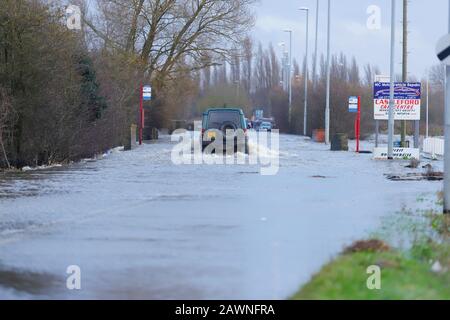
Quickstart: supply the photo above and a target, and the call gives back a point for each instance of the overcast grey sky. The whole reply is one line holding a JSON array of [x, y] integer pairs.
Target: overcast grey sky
[[428, 22]]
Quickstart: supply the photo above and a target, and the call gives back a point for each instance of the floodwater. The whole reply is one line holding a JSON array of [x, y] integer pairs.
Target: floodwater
[[140, 227]]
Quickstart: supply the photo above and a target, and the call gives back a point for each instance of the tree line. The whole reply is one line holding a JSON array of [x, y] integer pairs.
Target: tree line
[[67, 94], [254, 80]]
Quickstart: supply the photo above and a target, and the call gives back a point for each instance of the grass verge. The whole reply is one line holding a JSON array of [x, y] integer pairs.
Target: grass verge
[[420, 270]]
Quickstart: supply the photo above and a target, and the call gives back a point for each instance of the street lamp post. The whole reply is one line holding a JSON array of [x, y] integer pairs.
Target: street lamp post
[[447, 137], [392, 87], [427, 131], [290, 76], [327, 107], [305, 111], [283, 82], [315, 45]]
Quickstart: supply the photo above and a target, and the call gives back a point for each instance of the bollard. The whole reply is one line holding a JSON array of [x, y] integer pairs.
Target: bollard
[[339, 142], [130, 142], [154, 134], [133, 136]]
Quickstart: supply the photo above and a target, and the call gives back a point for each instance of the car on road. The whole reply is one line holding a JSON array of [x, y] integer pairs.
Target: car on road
[[265, 126], [228, 123]]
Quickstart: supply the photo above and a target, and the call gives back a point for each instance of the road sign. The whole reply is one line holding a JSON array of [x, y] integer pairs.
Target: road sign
[[353, 104], [443, 49], [382, 78], [147, 93], [399, 153], [407, 100]]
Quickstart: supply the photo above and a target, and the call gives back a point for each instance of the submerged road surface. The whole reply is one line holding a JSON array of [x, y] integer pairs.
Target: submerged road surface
[[140, 227]]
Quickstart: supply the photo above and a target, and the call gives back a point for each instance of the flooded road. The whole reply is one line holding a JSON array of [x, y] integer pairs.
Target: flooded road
[[140, 227]]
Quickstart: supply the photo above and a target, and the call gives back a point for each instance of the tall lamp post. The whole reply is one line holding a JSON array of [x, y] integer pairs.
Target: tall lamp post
[[305, 111], [327, 107], [392, 87], [315, 44], [290, 76], [283, 82], [427, 131], [447, 137]]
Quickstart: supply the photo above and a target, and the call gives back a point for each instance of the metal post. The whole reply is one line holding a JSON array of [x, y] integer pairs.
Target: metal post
[[284, 62], [392, 87], [447, 138], [327, 108], [305, 111], [141, 113], [404, 64], [290, 78], [358, 125], [377, 132], [316, 41], [427, 132], [416, 134]]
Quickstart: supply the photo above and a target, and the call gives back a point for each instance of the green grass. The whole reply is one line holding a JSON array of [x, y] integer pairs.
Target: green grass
[[403, 277], [405, 272]]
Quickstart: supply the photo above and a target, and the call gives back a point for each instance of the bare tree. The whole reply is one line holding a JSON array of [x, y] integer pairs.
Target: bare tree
[[163, 32], [7, 121], [275, 70]]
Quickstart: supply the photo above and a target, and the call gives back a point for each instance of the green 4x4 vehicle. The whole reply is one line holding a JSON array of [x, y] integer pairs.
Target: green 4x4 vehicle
[[228, 124]]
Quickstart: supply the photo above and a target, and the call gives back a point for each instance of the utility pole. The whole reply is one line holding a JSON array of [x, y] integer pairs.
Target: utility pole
[[447, 136], [392, 87], [284, 64], [416, 122], [315, 45], [427, 131], [290, 77], [404, 63], [305, 111], [327, 107]]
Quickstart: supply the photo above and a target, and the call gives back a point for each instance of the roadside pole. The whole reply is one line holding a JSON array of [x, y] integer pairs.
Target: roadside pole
[[141, 113], [327, 107], [404, 64], [447, 142], [354, 106], [377, 132], [305, 111], [447, 136], [290, 78], [316, 44], [358, 125], [443, 53], [427, 131], [392, 87]]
